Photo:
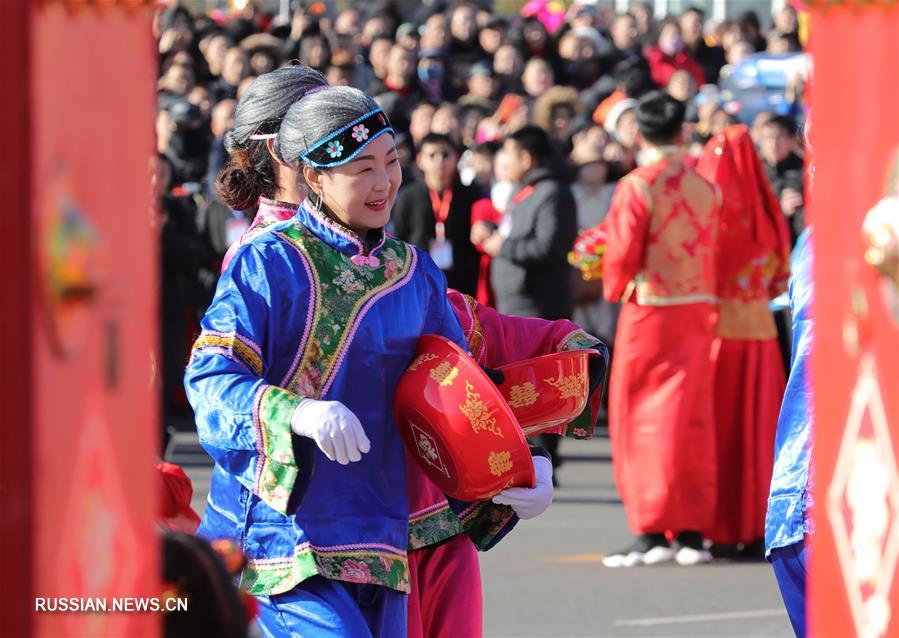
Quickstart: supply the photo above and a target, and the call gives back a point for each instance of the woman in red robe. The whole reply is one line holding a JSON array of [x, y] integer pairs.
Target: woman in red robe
[[660, 264], [753, 268]]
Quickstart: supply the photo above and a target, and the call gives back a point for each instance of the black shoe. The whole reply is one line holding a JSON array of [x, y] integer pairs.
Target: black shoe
[[725, 551], [754, 551]]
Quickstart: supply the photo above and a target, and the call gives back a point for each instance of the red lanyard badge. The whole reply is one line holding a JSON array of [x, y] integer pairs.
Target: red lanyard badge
[[523, 194], [440, 206]]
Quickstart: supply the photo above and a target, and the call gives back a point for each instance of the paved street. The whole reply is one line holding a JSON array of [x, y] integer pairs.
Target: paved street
[[545, 579]]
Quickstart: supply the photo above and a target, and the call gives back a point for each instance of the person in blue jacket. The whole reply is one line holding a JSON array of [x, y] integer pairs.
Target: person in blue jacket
[[789, 521], [293, 375]]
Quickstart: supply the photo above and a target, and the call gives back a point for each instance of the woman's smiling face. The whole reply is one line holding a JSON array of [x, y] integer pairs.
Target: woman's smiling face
[[361, 193]]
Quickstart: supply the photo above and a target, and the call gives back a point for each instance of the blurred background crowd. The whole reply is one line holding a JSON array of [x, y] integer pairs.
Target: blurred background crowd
[[457, 78]]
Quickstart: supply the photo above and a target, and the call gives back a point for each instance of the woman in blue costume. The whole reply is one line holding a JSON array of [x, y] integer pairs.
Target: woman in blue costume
[[312, 325], [789, 524]]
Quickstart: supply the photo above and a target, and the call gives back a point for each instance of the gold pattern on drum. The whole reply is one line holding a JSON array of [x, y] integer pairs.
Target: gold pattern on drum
[[477, 413], [445, 374], [500, 463], [521, 396], [570, 386], [422, 358]]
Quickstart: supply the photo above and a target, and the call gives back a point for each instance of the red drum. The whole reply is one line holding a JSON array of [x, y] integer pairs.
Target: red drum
[[457, 424], [546, 392]]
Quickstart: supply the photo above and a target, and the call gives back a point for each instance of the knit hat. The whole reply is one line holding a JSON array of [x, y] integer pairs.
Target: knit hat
[[616, 112]]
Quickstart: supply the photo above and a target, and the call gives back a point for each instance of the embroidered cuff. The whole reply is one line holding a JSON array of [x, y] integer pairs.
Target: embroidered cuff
[[365, 563], [433, 526], [231, 345], [577, 340], [486, 523], [277, 467], [582, 426]]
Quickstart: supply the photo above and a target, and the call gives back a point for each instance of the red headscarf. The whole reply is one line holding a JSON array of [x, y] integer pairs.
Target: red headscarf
[[176, 491], [751, 220]]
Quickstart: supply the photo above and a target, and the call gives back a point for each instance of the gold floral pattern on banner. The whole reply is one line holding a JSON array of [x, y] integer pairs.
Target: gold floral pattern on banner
[[445, 374], [480, 417], [570, 386], [500, 463], [420, 359], [521, 396]]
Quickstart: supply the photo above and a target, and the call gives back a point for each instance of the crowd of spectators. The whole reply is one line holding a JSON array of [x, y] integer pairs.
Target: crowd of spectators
[[482, 103]]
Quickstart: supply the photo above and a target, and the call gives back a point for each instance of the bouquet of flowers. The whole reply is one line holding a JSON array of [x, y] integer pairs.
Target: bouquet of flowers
[[588, 251]]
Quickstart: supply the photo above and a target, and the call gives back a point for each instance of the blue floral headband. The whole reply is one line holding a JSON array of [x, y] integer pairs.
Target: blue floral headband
[[347, 142]]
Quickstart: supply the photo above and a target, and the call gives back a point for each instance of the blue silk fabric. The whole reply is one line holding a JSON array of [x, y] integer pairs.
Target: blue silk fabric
[[790, 500], [312, 310], [790, 564], [331, 609]]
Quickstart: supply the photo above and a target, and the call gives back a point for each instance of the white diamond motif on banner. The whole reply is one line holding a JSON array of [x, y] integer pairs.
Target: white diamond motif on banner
[[863, 506]]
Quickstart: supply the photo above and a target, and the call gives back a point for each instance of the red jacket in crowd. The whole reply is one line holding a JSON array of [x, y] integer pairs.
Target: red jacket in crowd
[[663, 66]]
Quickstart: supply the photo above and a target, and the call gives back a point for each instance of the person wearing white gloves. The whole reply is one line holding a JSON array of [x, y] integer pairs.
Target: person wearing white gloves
[[347, 437], [339, 435], [292, 377], [444, 565], [531, 502], [335, 430]]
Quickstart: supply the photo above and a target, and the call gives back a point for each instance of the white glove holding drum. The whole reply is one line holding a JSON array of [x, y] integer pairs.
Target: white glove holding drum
[[333, 427], [531, 502]]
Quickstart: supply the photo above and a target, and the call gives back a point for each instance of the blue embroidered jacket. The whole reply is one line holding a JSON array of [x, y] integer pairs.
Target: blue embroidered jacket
[[310, 310], [788, 518]]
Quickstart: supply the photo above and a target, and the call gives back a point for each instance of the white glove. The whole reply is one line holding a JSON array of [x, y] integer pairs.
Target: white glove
[[332, 426], [531, 502]]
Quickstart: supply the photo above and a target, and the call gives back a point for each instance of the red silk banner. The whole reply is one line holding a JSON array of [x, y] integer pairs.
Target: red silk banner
[[93, 289], [855, 134]]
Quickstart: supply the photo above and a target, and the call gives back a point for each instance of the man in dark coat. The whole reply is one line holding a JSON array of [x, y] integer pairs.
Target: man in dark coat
[[530, 272]]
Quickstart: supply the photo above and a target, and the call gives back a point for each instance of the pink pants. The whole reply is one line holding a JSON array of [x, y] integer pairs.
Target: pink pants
[[446, 591]]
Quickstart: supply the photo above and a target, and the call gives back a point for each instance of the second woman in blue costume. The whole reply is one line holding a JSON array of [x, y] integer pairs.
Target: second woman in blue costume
[[311, 327]]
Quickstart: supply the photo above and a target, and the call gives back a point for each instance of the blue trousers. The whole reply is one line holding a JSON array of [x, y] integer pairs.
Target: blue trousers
[[319, 607], [789, 565]]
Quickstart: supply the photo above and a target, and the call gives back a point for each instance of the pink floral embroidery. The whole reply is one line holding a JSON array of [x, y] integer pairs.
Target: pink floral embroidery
[[392, 264], [355, 572], [360, 133], [281, 456], [277, 498], [579, 432], [309, 382], [347, 281], [385, 564]]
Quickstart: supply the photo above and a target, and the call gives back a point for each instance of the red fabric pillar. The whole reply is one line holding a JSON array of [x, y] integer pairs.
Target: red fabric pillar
[[854, 584], [79, 328], [16, 524]]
